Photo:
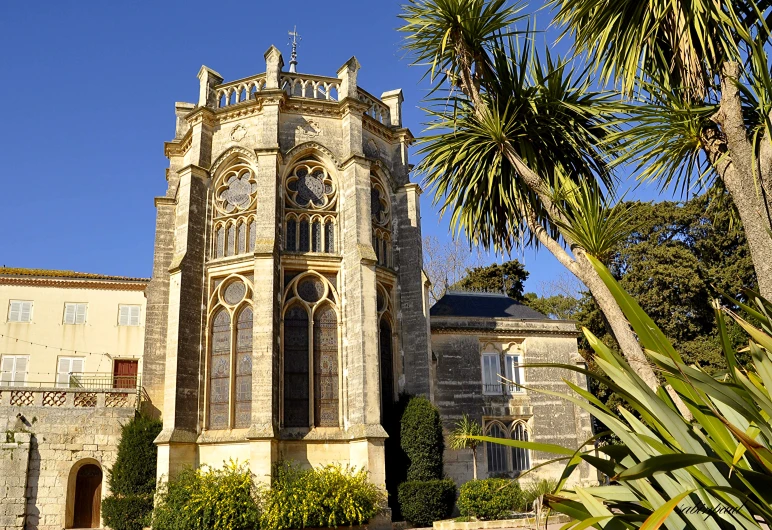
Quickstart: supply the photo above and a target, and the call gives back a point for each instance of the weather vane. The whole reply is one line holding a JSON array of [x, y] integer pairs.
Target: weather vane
[[294, 39]]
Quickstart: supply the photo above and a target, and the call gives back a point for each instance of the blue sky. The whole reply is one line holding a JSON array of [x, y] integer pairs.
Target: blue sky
[[88, 90]]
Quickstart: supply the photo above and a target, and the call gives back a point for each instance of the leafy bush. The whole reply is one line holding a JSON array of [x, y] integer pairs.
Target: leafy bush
[[132, 478], [425, 501], [323, 497], [208, 498], [421, 438], [490, 499]]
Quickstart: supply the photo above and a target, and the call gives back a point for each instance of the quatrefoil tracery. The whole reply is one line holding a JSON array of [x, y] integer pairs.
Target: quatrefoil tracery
[[236, 191], [311, 187]]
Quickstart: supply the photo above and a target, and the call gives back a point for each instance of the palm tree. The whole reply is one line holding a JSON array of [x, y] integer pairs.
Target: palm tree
[[459, 438], [515, 140], [698, 77]]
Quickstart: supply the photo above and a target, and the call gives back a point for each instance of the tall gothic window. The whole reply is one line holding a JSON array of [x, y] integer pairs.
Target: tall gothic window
[[310, 338], [230, 356], [501, 460], [310, 209], [380, 210], [235, 196], [385, 350], [496, 453]]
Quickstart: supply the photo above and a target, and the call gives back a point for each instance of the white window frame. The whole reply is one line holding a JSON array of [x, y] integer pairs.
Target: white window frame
[[131, 320], [71, 361], [20, 310], [79, 312], [517, 376], [491, 385], [11, 374]]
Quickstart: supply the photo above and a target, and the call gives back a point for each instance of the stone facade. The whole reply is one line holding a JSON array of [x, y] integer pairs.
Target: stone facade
[[459, 345], [50, 435], [287, 305]]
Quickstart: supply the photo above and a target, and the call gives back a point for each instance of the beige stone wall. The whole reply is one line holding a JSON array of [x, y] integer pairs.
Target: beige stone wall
[[61, 440], [14, 459], [52, 338]]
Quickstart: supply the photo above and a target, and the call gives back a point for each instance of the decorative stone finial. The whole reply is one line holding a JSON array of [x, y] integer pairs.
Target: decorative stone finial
[[208, 79], [393, 99], [273, 65], [295, 38], [348, 79]]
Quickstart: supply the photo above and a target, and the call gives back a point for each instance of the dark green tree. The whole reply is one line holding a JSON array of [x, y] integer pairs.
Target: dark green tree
[[132, 478], [558, 306], [507, 277]]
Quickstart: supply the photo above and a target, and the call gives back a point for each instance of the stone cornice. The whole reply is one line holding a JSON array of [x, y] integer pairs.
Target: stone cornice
[[164, 201], [69, 283], [375, 127], [201, 115], [516, 327], [355, 159], [411, 186], [311, 107], [244, 109]]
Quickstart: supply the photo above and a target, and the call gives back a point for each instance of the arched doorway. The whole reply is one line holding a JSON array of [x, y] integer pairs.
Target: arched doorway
[[88, 497]]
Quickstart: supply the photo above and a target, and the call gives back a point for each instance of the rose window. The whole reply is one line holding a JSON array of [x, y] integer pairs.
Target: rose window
[[236, 191], [310, 187]]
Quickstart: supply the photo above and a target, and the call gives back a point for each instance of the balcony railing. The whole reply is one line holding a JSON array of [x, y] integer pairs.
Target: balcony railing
[[86, 390]]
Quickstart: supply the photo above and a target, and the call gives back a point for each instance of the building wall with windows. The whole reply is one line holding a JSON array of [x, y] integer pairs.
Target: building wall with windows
[[482, 344], [286, 309], [55, 324]]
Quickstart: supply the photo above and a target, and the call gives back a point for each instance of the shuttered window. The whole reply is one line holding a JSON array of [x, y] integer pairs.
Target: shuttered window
[[14, 370], [67, 367], [20, 311], [75, 313], [490, 373], [128, 315]]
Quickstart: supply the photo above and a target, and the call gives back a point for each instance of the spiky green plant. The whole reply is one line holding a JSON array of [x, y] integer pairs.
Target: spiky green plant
[[710, 472], [698, 76], [460, 438]]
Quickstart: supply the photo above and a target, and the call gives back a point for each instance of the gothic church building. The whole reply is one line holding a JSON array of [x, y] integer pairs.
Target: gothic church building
[[287, 305]]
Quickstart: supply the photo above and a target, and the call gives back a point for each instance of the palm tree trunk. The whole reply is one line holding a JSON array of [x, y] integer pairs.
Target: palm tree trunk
[[474, 462], [732, 155]]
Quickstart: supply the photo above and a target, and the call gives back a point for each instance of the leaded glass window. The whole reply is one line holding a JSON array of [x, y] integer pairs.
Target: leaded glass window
[[220, 242], [329, 237], [244, 369], [387, 366], [316, 237], [296, 373], [520, 458], [496, 453], [380, 211], [219, 370], [252, 235], [230, 247], [304, 242], [292, 234], [326, 367], [242, 240]]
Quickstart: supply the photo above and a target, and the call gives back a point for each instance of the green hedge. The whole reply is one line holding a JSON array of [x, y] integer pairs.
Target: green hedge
[[425, 501], [421, 439], [319, 498], [490, 499], [132, 478], [206, 498]]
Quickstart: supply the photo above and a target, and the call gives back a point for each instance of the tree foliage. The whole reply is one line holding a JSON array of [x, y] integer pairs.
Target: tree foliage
[[132, 478], [507, 278]]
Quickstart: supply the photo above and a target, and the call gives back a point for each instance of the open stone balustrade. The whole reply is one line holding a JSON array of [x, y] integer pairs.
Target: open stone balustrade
[[55, 397]]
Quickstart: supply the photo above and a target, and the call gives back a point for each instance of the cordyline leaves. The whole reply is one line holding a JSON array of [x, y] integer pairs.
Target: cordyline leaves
[[710, 472], [535, 107]]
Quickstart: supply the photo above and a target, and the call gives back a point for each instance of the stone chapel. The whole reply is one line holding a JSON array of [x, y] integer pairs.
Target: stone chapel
[[287, 306]]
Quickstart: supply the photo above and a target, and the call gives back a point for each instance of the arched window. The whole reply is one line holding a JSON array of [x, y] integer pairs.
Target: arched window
[[520, 458], [326, 367], [220, 370], [310, 208], [496, 453], [296, 367], [380, 209], [235, 196], [310, 299], [229, 365]]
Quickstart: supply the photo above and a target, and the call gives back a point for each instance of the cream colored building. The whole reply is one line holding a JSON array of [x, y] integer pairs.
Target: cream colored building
[[58, 328]]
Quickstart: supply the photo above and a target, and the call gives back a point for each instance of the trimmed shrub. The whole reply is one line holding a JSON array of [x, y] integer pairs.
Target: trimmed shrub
[[132, 478], [325, 497], [421, 439], [208, 498], [490, 499], [425, 501]]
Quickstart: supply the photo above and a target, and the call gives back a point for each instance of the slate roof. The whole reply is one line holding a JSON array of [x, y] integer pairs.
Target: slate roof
[[65, 275], [484, 305]]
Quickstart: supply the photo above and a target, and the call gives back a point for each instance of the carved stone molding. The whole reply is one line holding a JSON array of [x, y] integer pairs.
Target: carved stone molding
[[312, 146]]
